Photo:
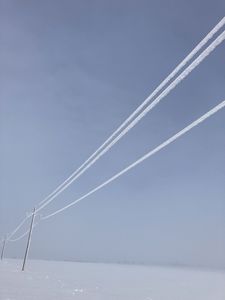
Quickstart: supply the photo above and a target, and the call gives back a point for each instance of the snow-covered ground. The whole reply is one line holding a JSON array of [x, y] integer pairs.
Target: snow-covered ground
[[50, 280]]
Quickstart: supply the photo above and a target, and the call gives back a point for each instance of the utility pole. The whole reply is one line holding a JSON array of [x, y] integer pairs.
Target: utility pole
[[3, 248], [28, 240]]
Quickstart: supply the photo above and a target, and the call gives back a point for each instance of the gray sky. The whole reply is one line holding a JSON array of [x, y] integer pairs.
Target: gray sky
[[71, 72]]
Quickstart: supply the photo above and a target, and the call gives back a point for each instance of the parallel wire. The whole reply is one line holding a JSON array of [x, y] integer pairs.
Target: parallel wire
[[18, 227], [172, 85], [140, 160], [22, 235], [77, 172], [26, 232], [168, 78]]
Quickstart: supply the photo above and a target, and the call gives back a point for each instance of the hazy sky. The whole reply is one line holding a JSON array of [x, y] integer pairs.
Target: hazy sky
[[70, 73]]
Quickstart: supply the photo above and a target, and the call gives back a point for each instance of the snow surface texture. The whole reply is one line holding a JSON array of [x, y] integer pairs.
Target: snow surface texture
[[48, 280]]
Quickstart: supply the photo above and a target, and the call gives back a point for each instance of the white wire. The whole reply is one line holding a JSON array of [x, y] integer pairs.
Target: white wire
[[19, 226], [146, 101], [26, 232], [22, 235], [166, 80], [172, 85], [150, 153]]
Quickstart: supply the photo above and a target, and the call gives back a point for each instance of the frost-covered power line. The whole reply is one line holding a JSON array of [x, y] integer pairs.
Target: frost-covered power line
[[22, 235], [169, 88], [143, 158], [146, 101], [111, 141], [19, 226]]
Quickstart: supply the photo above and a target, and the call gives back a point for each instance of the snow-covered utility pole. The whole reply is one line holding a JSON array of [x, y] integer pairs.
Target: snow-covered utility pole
[[28, 240], [3, 248]]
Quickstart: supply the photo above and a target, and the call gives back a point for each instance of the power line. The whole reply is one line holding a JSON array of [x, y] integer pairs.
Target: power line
[[172, 85], [27, 231], [62, 186], [140, 160], [22, 235], [146, 101], [19, 226]]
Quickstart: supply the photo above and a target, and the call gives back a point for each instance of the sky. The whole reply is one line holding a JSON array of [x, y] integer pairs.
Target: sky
[[70, 73]]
